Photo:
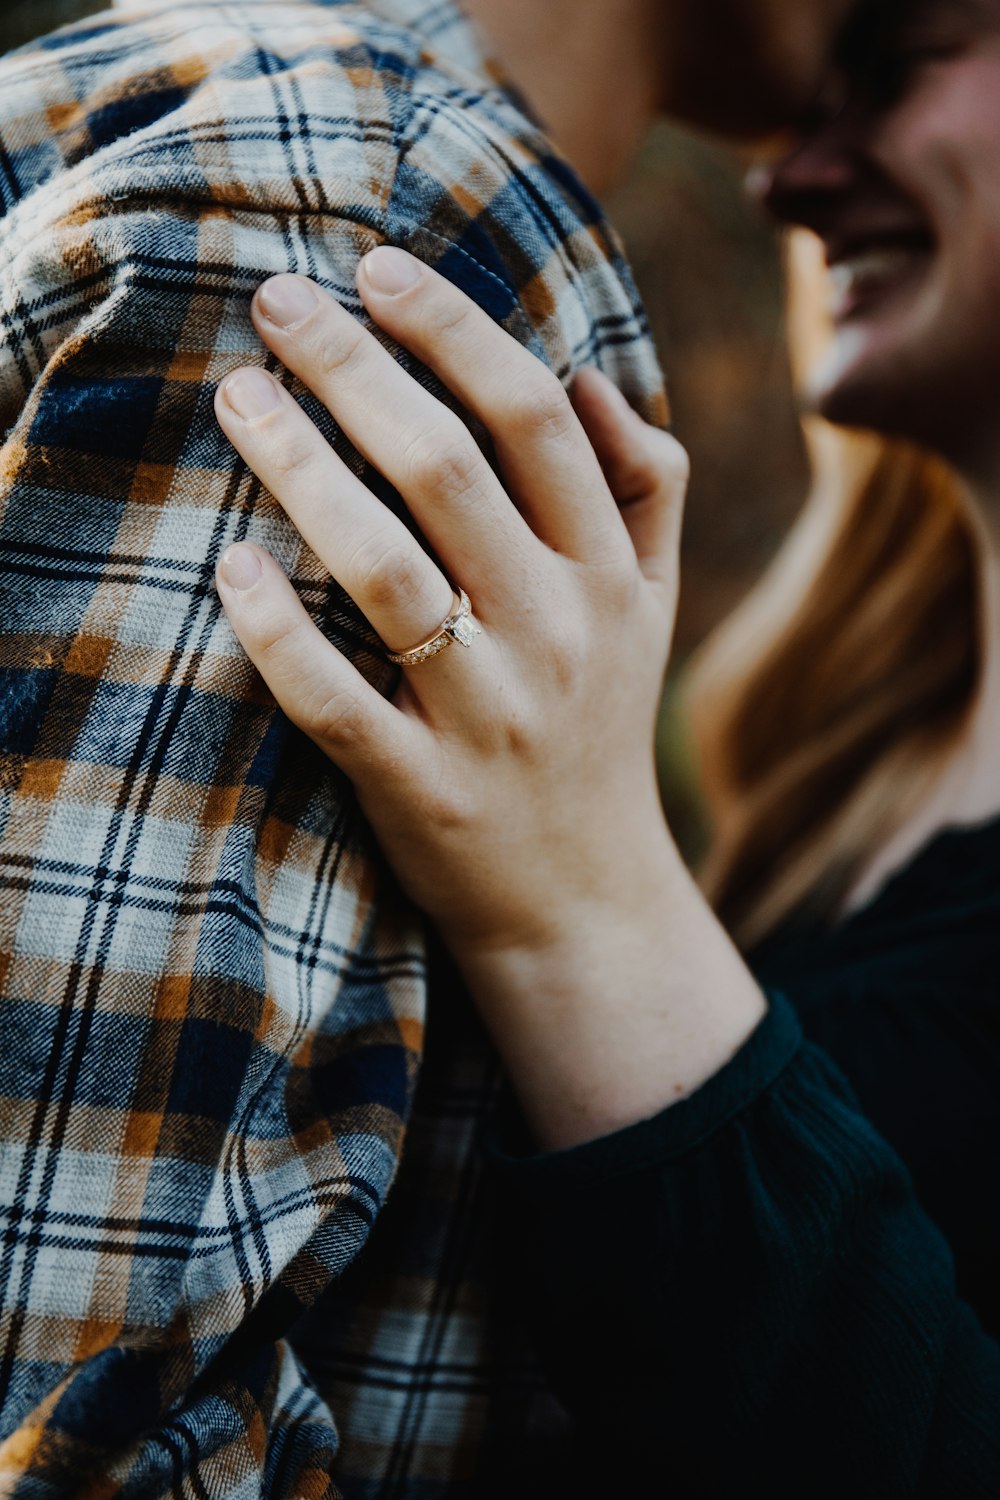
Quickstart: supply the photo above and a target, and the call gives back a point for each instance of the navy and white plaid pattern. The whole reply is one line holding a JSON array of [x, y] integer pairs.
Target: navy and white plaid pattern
[[213, 997]]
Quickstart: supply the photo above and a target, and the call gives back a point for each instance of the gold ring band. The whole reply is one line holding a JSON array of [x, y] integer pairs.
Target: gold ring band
[[461, 626]]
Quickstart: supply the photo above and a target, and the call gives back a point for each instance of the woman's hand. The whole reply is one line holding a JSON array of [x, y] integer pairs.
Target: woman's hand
[[510, 783]]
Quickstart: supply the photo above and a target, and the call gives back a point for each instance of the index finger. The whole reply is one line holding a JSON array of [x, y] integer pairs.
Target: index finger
[[546, 457]]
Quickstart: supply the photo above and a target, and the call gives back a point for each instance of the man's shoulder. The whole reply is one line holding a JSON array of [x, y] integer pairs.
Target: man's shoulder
[[283, 105], [481, 194], [296, 106], [338, 124]]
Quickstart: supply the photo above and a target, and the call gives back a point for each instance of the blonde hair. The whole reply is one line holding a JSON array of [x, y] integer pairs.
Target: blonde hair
[[822, 710]]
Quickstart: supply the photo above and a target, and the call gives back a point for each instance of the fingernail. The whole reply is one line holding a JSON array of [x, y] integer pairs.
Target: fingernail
[[391, 271], [286, 300], [251, 394], [240, 567]]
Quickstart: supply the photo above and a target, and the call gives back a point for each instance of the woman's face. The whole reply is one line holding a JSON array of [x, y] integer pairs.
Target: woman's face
[[901, 181]]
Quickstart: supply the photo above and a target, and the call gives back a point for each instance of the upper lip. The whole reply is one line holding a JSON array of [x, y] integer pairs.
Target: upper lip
[[842, 246]]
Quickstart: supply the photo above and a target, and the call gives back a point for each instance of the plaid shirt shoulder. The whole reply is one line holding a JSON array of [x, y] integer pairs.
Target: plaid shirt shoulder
[[212, 996]]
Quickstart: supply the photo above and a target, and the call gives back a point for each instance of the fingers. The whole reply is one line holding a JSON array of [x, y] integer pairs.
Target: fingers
[[646, 470], [312, 682], [543, 452], [424, 449], [367, 549]]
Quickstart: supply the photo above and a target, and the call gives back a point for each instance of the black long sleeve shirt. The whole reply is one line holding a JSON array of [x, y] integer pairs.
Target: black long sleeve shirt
[[789, 1283]]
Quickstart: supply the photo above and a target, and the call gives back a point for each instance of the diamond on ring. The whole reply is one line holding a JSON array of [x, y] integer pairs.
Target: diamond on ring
[[461, 626]]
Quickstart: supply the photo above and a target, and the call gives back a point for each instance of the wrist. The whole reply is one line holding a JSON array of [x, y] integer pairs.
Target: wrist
[[614, 883], [630, 1002]]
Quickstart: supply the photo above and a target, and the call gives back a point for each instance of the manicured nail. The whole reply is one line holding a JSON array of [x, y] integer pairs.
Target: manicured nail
[[240, 567], [391, 271], [251, 393], [286, 300]]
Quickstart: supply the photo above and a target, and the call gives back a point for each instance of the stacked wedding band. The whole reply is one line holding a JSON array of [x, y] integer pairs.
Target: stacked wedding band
[[461, 626]]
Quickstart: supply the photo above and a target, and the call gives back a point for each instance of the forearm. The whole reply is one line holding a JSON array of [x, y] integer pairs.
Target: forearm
[[634, 999]]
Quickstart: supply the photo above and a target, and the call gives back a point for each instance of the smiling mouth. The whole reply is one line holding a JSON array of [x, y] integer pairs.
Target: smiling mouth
[[866, 272]]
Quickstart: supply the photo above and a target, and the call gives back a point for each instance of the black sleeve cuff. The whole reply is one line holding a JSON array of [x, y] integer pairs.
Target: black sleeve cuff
[[674, 1131]]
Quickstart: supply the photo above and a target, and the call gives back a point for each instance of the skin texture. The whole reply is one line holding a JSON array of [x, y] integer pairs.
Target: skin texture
[[741, 66], [474, 775]]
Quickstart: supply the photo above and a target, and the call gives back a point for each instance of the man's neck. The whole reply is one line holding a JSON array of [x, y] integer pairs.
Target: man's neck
[[590, 69]]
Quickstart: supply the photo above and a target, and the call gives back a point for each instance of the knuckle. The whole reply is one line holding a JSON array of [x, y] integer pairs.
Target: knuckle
[[292, 458], [443, 317], [340, 349], [539, 407], [448, 808], [616, 580], [564, 626], [520, 737], [387, 574], [567, 672], [657, 466], [444, 462], [337, 717], [564, 648], [275, 633], [450, 803], [627, 592]]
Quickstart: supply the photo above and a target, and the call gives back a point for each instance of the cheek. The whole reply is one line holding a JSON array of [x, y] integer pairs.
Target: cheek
[[944, 153], [966, 224], [942, 147]]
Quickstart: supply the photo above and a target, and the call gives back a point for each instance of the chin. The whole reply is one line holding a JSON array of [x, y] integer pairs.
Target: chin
[[876, 390], [851, 405]]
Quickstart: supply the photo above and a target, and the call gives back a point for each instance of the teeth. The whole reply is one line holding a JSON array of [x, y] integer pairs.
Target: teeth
[[869, 268]]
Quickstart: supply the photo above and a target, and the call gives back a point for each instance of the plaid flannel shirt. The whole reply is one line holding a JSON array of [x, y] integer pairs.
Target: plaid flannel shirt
[[213, 997]]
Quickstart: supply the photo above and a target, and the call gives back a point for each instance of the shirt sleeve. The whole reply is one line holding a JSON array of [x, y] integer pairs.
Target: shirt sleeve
[[743, 1295]]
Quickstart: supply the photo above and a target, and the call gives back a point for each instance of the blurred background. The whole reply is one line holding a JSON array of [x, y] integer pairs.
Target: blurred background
[[708, 266]]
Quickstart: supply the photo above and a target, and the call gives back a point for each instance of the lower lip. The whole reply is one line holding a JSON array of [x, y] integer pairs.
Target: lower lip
[[866, 289]]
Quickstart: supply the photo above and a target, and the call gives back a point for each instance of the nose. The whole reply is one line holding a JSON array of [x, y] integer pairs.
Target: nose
[[815, 168]]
